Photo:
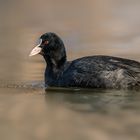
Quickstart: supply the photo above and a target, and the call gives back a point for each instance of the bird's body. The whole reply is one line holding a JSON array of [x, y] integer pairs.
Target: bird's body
[[87, 72], [96, 72]]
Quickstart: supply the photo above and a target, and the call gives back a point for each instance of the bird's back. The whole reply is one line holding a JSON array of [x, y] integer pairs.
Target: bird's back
[[101, 72]]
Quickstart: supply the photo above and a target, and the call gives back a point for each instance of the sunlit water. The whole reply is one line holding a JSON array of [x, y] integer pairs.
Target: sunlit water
[[88, 27]]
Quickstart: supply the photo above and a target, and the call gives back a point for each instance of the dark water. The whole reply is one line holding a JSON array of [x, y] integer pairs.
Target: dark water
[[88, 27]]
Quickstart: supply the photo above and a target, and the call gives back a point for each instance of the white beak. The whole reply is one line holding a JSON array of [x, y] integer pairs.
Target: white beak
[[36, 50]]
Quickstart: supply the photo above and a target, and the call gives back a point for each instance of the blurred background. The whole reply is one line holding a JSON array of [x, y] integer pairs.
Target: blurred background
[[87, 27]]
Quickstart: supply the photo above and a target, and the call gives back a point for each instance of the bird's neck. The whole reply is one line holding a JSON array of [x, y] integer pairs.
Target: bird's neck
[[55, 64], [54, 70]]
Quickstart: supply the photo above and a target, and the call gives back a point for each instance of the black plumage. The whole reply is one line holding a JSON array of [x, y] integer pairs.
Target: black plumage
[[87, 72]]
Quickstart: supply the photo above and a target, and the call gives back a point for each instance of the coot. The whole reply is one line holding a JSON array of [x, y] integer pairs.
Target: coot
[[86, 72]]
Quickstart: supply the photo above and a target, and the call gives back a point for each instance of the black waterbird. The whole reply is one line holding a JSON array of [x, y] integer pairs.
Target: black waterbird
[[86, 72]]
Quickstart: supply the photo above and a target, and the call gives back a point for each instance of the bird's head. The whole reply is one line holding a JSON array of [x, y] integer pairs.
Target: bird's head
[[51, 47]]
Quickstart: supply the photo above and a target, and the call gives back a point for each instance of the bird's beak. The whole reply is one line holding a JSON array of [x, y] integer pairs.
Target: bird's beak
[[36, 50]]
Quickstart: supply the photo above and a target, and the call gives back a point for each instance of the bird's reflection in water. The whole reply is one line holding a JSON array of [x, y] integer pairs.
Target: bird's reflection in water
[[89, 101]]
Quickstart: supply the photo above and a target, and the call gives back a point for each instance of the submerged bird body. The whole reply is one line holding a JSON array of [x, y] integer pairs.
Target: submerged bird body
[[87, 72]]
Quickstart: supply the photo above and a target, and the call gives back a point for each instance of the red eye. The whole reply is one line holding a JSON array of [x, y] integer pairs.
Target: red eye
[[46, 42]]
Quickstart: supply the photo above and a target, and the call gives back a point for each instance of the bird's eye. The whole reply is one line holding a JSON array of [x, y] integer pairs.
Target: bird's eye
[[46, 42]]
